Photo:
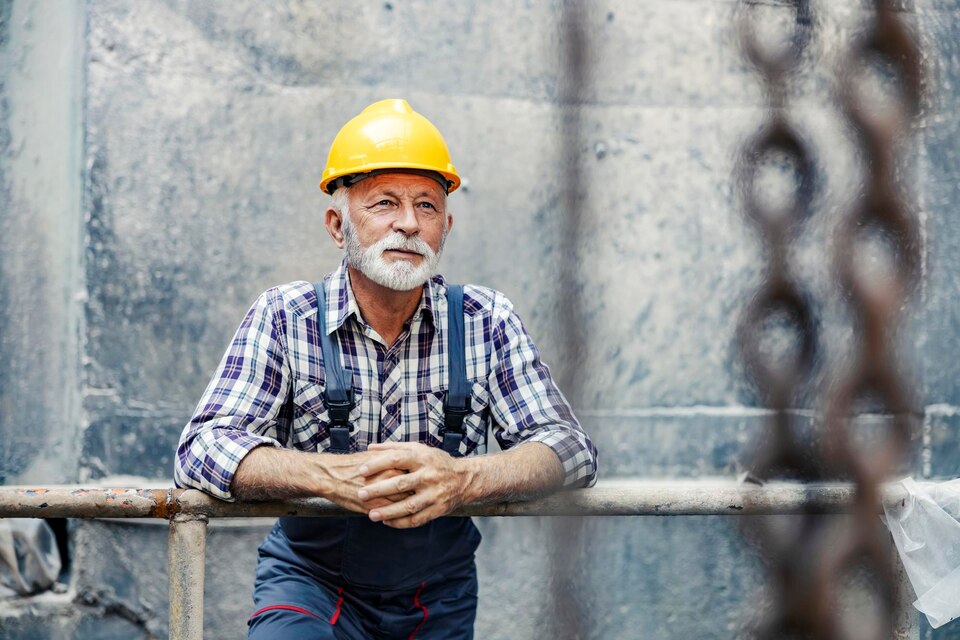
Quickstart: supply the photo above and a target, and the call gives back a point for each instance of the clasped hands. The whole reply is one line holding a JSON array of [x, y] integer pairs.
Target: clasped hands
[[403, 484]]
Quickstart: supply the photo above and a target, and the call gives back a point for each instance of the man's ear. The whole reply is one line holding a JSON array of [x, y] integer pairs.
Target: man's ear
[[449, 222], [334, 223]]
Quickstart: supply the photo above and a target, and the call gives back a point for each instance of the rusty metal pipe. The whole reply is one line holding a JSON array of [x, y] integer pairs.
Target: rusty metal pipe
[[189, 511], [628, 498], [611, 498], [87, 502], [185, 567]]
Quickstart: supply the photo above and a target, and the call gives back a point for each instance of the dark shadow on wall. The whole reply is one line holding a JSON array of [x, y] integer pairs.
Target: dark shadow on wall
[[8, 458]]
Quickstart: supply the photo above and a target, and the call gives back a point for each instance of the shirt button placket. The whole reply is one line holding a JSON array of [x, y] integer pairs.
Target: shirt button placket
[[390, 391]]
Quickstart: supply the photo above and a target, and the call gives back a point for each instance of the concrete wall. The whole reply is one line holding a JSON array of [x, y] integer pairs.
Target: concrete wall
[[158, 169]]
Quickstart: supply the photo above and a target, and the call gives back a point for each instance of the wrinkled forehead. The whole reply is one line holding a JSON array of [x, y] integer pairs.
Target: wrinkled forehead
[[401, 185]]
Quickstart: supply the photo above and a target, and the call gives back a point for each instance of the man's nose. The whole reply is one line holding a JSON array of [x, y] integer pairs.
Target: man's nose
[[406, 221]]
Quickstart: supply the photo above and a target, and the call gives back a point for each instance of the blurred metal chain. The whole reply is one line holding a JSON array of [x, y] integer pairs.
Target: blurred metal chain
[[812, 561], [568, 616], [880, 213], [781, 302], [781, 298]]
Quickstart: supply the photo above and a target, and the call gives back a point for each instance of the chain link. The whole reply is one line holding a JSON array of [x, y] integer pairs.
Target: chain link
[[812, 560], [781, 301], [877, 304]]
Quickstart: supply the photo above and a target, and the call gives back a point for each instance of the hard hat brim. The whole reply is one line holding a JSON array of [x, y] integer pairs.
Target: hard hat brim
[[351, 179], [329, 183]]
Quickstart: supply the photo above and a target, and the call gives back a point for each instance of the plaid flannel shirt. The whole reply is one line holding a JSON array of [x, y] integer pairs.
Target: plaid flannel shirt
[[268, 389]]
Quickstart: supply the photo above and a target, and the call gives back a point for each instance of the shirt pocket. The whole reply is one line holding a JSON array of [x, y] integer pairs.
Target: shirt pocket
[[311, 417], [474, 425]]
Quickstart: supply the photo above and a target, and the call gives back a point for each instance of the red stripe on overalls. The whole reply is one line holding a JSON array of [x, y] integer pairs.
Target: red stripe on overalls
[[416, 603], [290, 607], [283, 607], [336, 612]]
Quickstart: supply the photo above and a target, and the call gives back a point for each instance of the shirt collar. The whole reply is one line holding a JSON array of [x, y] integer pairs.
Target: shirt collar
[[341, 303]]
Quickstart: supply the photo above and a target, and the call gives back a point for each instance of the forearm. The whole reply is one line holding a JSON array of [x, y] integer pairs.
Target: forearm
[[268, 473], [527, 471]]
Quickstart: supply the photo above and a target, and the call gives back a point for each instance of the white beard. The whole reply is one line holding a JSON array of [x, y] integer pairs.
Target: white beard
[[399, 275]]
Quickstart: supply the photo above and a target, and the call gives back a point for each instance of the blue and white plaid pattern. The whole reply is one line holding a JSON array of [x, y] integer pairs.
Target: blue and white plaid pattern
[[268, 389]]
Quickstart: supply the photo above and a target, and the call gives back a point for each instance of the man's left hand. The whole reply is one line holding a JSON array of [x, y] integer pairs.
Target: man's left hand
[[435, 481]]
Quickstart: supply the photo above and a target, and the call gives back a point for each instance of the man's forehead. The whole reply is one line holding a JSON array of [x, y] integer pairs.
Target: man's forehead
[[398, 183]]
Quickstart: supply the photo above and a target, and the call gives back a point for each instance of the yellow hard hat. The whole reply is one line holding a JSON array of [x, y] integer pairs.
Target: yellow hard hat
[[388, 135]]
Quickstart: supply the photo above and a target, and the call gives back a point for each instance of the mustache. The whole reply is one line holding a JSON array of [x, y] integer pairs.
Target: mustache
[[406, 243]]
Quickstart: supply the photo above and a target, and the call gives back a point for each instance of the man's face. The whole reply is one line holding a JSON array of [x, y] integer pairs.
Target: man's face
[[395, 230]]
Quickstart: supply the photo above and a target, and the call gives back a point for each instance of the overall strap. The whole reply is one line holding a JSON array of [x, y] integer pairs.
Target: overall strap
[[456, 403], [338, 393]]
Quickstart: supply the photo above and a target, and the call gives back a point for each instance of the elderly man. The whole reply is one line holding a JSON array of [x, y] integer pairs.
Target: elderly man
[[375, 389]]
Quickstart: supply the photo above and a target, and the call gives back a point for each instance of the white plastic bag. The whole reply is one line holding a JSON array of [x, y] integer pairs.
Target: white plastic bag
[[926, 529], [29, 557]]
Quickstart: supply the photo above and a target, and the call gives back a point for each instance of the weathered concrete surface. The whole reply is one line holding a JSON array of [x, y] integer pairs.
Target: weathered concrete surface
[[204, 129], [41, 201], [131, 575], [939, 162]]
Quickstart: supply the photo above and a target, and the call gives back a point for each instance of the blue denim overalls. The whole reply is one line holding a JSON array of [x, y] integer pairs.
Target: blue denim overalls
[[352, 578]]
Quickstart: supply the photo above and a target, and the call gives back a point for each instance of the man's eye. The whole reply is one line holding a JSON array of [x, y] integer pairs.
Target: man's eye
[[426, 205], [384, 203]]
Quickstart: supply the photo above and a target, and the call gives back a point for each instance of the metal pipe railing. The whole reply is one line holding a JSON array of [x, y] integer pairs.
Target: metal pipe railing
[[186, 550], [189, 512], [611, 498]]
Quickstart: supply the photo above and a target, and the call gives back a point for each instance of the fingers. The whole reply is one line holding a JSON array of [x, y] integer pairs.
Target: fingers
[[368, 500], [400, 459], [383, 475], [378, 503], [419, 483], [345, 482], [394, 484], [410, 523], [408, 513], [385, 446], [394, 455], [364, 506]]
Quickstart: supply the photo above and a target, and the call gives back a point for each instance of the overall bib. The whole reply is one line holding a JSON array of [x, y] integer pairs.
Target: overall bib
[[351, 578]]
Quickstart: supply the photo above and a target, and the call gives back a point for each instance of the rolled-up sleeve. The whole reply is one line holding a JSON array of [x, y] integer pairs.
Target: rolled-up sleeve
[[527, 406], [241, 407]]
